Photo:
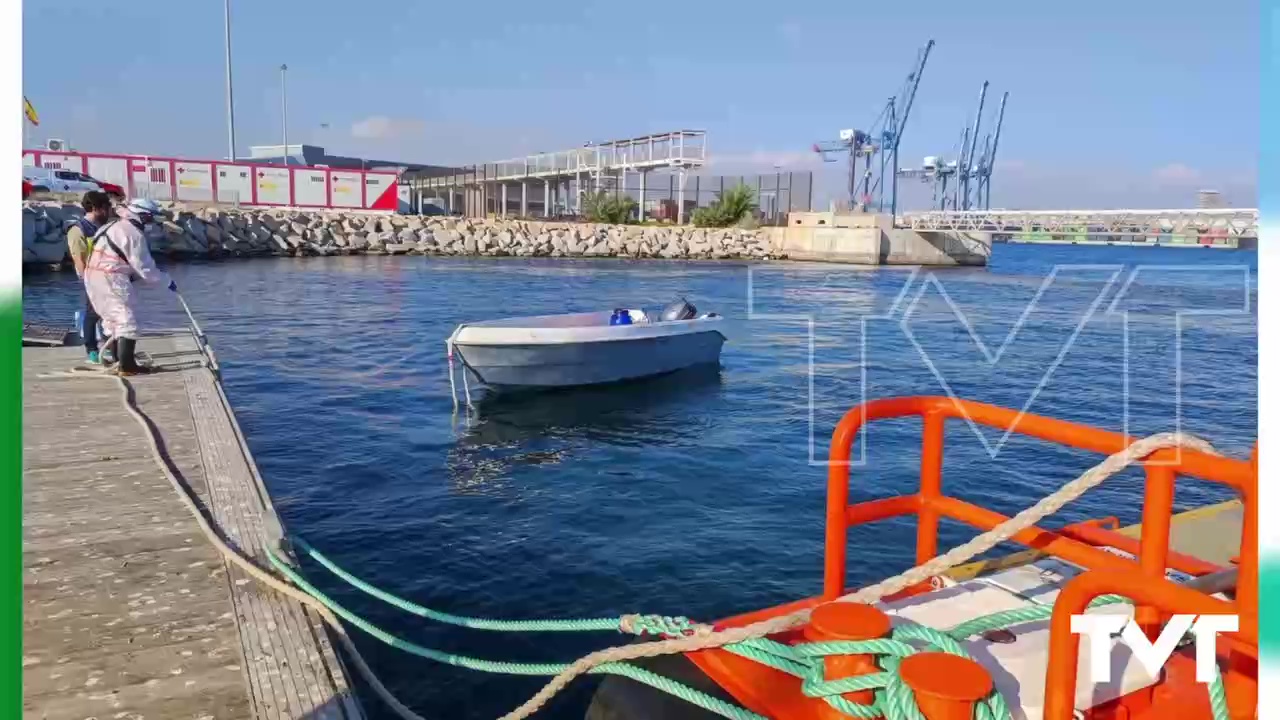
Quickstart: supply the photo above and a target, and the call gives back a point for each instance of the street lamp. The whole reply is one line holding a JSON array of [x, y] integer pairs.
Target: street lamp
[[284, 112], [231, 113]]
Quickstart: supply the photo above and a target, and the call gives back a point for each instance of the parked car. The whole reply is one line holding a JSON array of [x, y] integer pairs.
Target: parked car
[[68, 181]]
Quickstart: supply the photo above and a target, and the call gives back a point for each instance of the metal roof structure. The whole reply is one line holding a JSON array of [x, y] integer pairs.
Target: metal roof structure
[[316, 156], [679, 149]]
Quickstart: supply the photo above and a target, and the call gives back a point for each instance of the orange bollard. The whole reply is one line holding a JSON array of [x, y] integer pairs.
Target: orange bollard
[[946, 686], [847, 621]]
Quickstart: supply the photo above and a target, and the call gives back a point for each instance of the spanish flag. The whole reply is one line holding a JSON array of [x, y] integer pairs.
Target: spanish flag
[[30, 110]]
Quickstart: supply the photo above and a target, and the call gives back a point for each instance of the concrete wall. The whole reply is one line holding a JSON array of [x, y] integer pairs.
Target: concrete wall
[[868, 239]]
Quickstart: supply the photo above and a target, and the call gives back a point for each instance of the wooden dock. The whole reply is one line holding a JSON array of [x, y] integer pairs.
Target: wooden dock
[[129, 611]]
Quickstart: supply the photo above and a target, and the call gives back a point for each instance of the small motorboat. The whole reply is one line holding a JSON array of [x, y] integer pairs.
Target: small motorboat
[[550, 351]]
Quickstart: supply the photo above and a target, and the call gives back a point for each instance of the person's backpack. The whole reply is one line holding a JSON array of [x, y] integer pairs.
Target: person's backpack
[[88, 237], [102, 233]]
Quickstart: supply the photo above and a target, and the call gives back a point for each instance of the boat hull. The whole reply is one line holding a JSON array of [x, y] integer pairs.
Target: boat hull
[[589, 363]]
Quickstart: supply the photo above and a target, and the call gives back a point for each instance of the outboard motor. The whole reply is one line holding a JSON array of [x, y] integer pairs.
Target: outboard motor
[[680, 310]]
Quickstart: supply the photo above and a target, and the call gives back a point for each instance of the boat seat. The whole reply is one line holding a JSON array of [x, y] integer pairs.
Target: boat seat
[[1018, 668]]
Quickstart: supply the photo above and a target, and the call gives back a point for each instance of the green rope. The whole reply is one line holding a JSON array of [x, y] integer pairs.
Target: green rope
[[893, 699], [1017, 616], [684, 692], [1218, 696], [655, 625]]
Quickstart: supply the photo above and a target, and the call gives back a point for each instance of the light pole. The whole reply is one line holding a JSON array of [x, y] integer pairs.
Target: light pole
[[231, 113], [284, 112]]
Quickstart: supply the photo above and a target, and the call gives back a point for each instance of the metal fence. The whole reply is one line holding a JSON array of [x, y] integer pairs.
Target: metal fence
[[561, 198], [776, 194]]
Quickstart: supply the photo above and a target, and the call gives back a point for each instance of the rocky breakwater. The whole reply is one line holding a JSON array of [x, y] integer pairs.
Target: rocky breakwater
[[212, 232]]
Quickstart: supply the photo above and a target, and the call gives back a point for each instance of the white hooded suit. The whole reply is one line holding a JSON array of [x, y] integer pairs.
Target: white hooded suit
[[109, 276]]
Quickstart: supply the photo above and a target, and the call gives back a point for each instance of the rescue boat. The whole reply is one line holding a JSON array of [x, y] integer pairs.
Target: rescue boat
[[1204, 562]]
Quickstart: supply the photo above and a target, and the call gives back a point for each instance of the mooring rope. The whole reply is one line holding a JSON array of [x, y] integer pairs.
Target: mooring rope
[[453, 388], [893, 700], [247, 565], [634, 624]]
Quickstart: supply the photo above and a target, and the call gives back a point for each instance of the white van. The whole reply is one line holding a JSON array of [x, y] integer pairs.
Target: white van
[[66, 181]]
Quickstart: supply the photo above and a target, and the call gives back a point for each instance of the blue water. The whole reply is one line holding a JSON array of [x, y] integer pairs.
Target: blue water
[[692, 494]]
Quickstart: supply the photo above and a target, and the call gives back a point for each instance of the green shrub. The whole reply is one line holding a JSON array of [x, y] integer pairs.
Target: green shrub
[[732, 207], [601, 207]]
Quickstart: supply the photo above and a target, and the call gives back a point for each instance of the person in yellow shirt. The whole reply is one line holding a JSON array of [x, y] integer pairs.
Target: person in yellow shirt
[[97, 208]]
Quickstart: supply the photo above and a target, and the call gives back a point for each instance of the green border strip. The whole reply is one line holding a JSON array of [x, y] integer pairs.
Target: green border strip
[[11, 503]]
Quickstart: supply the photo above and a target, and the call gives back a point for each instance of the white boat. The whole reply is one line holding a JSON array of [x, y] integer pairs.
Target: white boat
[[549, 351]]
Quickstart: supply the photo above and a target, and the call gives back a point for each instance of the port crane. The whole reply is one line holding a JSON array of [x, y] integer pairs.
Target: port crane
[[880, 144], [986, 161], [965, 183]]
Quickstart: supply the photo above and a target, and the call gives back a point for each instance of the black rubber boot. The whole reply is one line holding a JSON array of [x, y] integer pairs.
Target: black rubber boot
[[127, 364]]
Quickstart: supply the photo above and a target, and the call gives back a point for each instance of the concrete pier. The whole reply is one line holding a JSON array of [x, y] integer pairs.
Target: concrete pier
[[871, 239], [128, 610]]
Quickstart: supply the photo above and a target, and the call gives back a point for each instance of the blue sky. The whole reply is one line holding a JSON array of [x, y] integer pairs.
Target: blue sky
[[1112, 104]]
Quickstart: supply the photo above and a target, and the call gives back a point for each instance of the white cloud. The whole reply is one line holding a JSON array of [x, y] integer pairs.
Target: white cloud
[[381, 127], [1175, 174]]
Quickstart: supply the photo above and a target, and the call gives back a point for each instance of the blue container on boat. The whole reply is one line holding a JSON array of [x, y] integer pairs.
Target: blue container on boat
[[620, 317]]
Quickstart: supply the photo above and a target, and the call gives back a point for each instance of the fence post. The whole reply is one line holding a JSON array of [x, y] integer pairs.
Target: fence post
[[777, 203], [759, 182]]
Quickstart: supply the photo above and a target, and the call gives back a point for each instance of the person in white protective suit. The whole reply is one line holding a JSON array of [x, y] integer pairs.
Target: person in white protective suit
[[120, 257]]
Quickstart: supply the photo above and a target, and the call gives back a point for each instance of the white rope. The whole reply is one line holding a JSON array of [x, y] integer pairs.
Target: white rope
[[704, 639], [236, 558], [187, 309], [453, 388], [249, 567], [466, 389]]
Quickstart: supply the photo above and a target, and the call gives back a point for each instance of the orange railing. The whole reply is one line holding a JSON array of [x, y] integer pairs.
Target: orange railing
[[1143, 581]]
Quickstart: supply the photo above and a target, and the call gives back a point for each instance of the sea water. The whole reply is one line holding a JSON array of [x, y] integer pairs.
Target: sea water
[[698, 493]]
